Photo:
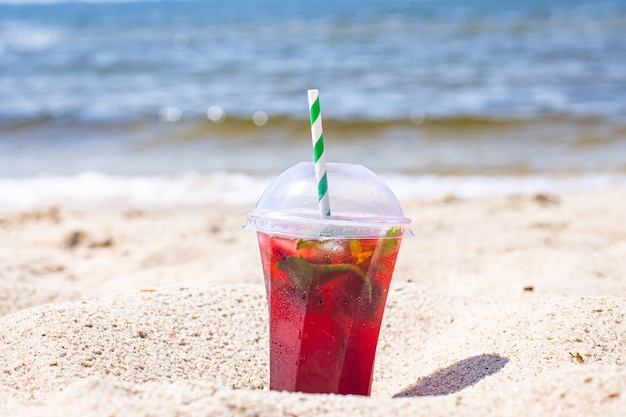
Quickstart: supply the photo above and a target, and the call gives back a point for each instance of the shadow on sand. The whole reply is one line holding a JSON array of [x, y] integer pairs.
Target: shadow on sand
[[456, 377]]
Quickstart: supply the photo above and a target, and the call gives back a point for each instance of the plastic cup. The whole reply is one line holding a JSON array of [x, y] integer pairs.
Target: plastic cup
[[326, 278]]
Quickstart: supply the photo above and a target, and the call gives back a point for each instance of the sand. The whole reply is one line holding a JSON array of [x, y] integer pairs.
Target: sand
[[506, 306]]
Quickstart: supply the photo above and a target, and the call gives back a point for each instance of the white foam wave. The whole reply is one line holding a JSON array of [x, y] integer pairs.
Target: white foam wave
[[92, 189], [478, 186], [19, 37]]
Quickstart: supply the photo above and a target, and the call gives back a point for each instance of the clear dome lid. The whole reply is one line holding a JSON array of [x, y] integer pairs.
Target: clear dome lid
[[361, 204]]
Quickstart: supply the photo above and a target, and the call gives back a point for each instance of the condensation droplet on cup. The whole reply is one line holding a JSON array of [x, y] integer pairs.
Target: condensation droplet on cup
[[170, 114], [418, 117], [216, 114], [260, 118]]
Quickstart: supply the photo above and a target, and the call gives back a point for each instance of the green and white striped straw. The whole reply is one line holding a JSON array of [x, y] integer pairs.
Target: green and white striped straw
[[318, 152]]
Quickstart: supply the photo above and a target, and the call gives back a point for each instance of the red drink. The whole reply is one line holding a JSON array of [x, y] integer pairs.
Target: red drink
[[326, 300]]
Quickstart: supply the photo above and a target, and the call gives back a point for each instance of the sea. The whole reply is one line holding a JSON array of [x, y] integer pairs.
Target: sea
[[189, 103]]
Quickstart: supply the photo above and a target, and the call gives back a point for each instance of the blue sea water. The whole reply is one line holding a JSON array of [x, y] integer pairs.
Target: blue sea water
[[467, 88]]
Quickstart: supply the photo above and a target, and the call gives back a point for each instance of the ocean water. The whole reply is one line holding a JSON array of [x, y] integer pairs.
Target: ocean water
[[190, 102]]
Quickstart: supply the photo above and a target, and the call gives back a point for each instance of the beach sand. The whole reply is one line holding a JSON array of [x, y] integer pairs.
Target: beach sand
[[510, 306]]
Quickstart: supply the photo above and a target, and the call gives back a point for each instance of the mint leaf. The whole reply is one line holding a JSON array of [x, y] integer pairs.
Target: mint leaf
[[302, 273], [391, 239], [299, 271], [305, 243]]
